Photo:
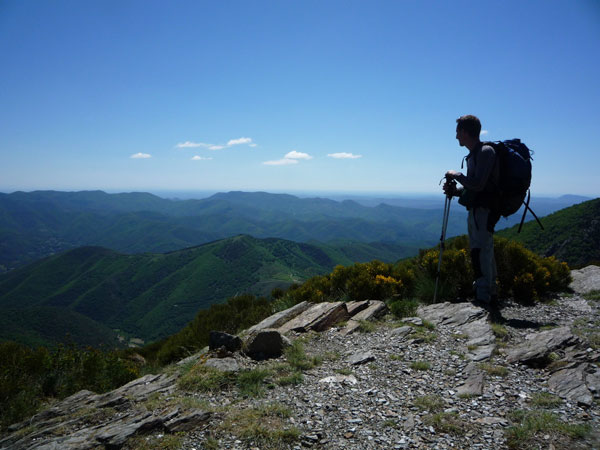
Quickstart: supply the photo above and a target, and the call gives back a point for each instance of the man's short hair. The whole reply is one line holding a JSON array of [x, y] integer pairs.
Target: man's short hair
[[470, 124]]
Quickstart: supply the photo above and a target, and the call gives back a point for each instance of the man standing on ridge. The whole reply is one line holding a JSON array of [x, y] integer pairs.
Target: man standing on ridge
[[479, 195]]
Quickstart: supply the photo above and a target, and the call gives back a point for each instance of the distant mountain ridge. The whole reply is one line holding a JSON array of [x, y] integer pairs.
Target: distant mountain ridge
[[146, 295], [37, 224]]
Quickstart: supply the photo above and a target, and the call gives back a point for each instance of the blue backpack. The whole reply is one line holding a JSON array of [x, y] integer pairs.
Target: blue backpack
[[514, 159]]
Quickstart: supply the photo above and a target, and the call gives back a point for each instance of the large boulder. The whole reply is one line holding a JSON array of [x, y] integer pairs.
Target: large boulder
[[586, 279], [218, 339], [266, 344]]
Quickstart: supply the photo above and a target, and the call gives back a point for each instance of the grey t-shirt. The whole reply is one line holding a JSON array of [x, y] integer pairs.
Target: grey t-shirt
[[481, 169]]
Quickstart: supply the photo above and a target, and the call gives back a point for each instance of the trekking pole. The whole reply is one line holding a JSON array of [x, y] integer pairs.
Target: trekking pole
[[447, 202]]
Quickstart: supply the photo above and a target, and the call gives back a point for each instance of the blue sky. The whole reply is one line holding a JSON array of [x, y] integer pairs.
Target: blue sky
[[286, 96]]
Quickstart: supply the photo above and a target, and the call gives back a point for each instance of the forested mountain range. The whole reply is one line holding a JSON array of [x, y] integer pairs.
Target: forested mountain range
[[89, 292], [37, 224]]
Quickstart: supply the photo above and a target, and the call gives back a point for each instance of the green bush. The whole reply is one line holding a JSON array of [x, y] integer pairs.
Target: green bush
[[527, 276], [521, 274], [403, 307]]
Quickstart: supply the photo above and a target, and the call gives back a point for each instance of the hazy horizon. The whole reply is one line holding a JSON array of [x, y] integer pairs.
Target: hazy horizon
[[334, 195]]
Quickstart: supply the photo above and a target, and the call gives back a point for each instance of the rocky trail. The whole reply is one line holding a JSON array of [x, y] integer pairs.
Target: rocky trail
[[350, 375]]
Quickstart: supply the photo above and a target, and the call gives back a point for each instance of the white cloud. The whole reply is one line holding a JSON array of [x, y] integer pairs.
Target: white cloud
[[297, 155], [230, 143], [281, 162], [141, 156], [200, 158], [188, 144], [243, 140], [344, 155], [484, 132]]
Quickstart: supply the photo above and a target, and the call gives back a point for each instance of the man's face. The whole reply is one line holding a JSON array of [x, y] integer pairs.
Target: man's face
[[460, 136]]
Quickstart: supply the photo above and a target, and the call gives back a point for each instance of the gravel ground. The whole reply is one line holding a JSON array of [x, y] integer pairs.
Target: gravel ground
[[407, 395]]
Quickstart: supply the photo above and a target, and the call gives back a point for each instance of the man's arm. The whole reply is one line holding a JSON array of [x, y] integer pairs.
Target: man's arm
[[483, 169]]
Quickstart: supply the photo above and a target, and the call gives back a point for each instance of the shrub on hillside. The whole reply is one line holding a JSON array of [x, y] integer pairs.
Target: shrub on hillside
[[525, 275], [236, 314], [521, 274], [361, 281]]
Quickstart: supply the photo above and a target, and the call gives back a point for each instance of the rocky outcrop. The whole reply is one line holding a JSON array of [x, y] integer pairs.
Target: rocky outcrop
[[318, 317], [580, 384], [278, 319], [119, 411]]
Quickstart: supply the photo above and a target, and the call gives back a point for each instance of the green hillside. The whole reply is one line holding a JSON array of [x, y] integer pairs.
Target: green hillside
[[571, 234], [152, 295]]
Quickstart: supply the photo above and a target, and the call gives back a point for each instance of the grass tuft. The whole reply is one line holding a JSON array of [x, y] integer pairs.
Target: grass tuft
[[445, 422], [545, 400], [529, 424], [420, 365], [263, 426], [429, 403]]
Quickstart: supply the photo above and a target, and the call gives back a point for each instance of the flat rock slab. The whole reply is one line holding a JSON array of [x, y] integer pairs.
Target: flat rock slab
[[580, 305], [472, 386], [586, 280], [319, 317], [417, 321], [481, 353], [374, 309], [451, 313], [356, 306], [536, 348], [479, 332], [278, 319], [361, 358], [223, 364], [341, 379], [139, 389], [117, 433], [187, 422], [402, 332], [579, 384]]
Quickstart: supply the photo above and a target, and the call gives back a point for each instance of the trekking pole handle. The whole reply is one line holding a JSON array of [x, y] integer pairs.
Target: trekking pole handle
[[449, 181]]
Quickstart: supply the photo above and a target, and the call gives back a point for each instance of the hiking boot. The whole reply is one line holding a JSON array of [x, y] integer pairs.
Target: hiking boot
[[485, 304]]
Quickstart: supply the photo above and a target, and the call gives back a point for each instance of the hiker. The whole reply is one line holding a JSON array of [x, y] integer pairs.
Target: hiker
[[479, 195]]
